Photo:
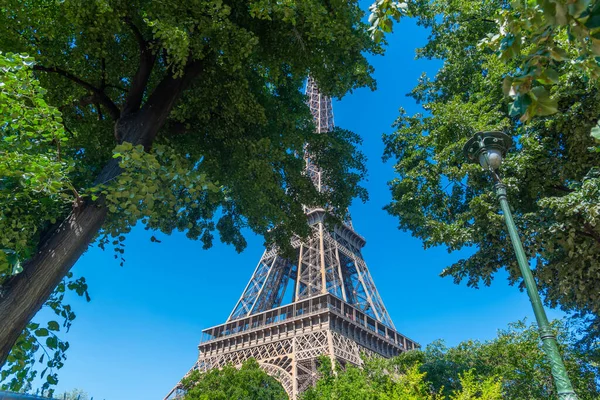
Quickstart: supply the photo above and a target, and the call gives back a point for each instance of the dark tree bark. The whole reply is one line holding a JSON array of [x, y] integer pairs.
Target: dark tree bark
[[24, 294]]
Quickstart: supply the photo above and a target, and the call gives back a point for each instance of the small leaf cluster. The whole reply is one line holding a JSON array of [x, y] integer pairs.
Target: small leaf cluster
[[382, 17], [164, 190], [40, 352]]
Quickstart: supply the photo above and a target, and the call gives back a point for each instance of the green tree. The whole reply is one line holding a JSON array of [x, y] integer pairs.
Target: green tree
[[179, 115], [552, 173], [249, 382], [515, 356], [74, 394], [394, 379]]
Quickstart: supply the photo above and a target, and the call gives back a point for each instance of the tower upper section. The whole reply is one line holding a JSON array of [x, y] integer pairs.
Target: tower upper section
[[320, 107]]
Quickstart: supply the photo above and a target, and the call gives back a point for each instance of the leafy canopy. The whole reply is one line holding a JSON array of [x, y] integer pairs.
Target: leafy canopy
[[34, 174], [183, 116], [233, 141], [552, 172]]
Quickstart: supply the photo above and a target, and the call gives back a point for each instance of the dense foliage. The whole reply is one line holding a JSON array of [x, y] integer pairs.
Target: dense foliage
[[381, 379], [552, 173], [510, 367], [34, 174], [180, 115], [249, 382]]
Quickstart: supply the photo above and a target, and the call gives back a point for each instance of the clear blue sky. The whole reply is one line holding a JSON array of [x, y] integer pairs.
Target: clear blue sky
[[139, 334]]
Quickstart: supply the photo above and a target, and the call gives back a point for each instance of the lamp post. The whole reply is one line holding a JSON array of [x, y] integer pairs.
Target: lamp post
[[488, 150]]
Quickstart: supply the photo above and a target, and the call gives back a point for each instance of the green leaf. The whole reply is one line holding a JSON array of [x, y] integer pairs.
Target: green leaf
[[52, 342], [41, 332], [507, 86], [53, 326], [520, 105], [559, 54], [578, 6], [596, 131], [549, 76], [593, 21], [544, 104]]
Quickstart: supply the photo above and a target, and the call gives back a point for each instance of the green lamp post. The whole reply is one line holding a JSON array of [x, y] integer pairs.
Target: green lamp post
[[488, 150]]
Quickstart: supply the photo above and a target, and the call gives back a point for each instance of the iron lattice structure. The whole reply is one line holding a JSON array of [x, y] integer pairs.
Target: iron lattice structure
[[335, 309]]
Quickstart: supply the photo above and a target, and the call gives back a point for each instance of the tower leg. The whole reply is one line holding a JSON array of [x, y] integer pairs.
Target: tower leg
[[294, 371], [331, 350]]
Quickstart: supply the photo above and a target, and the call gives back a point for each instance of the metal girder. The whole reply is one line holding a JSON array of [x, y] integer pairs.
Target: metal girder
[[266, 287], [320, 107]]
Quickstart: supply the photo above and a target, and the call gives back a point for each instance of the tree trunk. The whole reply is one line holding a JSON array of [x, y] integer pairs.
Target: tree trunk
[[28, 290], [25, 293]]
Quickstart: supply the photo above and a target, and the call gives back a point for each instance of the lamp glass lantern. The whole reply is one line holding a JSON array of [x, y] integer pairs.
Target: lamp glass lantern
[[487, 149]]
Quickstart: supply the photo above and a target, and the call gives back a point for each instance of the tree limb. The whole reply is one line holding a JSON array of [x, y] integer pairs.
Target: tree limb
[[121, 88], [142, 75], [99, 110], [136, 32], [590, 232], [113, 110], [165, 95], [562, 188], [103, 79]]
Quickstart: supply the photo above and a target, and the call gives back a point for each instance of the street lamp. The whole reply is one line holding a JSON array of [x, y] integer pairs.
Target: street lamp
[[488, 149]]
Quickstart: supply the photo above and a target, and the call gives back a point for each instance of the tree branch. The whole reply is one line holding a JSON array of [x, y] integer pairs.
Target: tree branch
[[100, 116], [142, 75], [103, 79], [590, 232], [113, 110], [562, 188], [121, 88], [159, 105], [136, 32]]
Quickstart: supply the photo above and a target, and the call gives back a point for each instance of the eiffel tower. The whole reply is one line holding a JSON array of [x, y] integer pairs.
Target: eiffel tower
[[335, 309]]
